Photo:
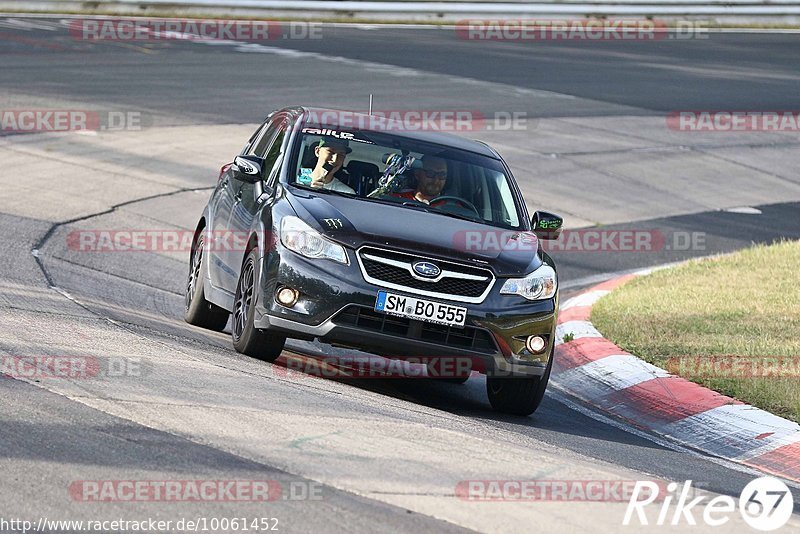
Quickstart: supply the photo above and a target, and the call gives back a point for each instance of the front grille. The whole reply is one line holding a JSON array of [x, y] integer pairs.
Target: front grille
[[468, 337], [448, 286]]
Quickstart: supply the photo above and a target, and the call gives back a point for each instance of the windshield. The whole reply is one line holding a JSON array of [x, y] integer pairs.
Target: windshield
[[386, 168]]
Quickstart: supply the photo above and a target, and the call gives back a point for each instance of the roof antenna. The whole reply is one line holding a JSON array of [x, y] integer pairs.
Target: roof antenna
[[370, 104]]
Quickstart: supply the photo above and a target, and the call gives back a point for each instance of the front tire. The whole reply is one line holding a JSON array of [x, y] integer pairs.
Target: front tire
[[518, 395], [248, 339], [197, 310]]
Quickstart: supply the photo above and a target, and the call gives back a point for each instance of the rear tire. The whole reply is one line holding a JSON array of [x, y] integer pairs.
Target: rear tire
[[518, 395], [248, 339], [197, 310]]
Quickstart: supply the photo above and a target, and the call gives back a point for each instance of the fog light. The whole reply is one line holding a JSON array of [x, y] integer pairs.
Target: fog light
[[287, 296], [535, 344]]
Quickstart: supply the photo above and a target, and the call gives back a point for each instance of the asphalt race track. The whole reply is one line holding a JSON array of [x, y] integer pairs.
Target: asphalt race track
[[382, 454]]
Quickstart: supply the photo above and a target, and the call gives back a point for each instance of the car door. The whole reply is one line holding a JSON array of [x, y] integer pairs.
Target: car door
[[220, 239], [217, 241], [249, 197]]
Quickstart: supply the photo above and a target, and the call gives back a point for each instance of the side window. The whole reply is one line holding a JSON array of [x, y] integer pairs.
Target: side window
[[272, 157], [246, 147], [264, 137], [509, 212]]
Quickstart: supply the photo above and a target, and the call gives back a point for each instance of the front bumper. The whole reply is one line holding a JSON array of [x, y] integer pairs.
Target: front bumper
[[336, 305]]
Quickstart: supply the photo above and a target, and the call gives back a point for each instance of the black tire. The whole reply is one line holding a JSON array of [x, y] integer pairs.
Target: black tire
[[517, 395], [248, 339], [197, 310]]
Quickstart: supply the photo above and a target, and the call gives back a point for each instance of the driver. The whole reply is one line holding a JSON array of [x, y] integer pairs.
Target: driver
[[431, 179]]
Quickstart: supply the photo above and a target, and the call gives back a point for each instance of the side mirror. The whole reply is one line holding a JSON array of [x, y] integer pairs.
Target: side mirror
[[546, 225], [248, 168]]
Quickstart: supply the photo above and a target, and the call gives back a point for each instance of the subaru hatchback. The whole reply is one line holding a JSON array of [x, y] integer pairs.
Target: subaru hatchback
[[409, 245]]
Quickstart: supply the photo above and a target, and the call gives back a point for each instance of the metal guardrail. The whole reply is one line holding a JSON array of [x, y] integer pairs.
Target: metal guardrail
[[784, 10]]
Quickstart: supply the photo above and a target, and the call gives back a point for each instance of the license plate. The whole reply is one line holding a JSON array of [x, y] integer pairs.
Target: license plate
[[423, 310]]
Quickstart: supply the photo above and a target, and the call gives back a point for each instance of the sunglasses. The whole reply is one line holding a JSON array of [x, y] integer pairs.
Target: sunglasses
[[441, 175]]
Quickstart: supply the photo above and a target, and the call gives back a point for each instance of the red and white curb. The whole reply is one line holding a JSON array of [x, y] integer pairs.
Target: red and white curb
[[594, 370]]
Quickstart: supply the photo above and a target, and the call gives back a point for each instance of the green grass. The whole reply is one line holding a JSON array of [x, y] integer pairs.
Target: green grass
[[742, 305]]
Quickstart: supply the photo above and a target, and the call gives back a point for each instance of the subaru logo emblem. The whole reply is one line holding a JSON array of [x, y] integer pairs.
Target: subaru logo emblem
[[426, 269]]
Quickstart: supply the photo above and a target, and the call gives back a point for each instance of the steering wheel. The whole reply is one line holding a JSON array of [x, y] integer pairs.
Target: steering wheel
[[459, 200]]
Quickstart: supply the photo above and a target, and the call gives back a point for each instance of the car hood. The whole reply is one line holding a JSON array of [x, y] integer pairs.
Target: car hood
[[354, 223]]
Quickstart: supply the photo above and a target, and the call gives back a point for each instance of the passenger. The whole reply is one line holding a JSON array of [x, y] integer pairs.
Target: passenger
[[330, 153]]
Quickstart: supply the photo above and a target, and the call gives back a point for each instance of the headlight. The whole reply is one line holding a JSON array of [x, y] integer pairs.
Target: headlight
[[539, 285], [301, 238]]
